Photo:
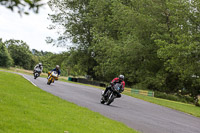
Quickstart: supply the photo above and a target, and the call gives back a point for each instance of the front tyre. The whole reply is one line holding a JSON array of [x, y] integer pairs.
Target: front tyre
[[49, 82], [110, 99], [35, 75], [102, 100]]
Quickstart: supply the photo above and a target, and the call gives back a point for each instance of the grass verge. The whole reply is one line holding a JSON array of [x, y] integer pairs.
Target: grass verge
[[27, 109], [183, 107]]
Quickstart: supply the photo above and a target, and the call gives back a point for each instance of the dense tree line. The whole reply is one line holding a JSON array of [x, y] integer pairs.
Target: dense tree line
[[16, 53], [154, 43]]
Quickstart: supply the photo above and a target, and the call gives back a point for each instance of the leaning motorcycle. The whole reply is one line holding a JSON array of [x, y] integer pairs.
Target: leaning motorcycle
[[37, 72], [52, 76], [111, 94]]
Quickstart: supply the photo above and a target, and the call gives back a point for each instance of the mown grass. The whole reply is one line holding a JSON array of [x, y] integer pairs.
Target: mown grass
[[27, 109], [187, 108]]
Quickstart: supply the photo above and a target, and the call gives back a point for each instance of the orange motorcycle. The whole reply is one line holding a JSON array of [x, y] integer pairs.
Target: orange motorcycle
[[51, 77]]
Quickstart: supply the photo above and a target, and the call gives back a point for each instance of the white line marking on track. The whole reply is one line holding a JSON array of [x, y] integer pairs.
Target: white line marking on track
[[29, 81], [21, 75]]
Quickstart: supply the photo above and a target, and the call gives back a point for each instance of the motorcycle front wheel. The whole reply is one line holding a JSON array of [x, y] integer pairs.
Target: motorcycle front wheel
[[35, 75], [49, 81], [110, 99], [102, 100]]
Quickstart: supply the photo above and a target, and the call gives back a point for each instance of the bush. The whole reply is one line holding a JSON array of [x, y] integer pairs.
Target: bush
[[5, 58], [174, 97]]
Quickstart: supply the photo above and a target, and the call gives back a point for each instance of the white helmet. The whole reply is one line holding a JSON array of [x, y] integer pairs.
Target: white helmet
[[121, 77], [40, 64], [57, 67]]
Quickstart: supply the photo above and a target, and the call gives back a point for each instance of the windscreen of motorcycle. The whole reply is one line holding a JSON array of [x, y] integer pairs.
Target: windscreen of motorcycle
[[54, 74], [117, 86]]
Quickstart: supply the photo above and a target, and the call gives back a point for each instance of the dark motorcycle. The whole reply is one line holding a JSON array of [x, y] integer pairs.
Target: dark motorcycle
[[111, 94], [37, 72]]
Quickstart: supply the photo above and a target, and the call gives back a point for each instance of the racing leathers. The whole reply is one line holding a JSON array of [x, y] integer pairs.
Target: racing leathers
[[38, 66], [113, 82]]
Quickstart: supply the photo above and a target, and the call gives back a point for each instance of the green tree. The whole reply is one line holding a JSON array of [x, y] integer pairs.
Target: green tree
[[20, 53], [72, 17], [129, 26], [5, 58], [179, 48], [22, 5]]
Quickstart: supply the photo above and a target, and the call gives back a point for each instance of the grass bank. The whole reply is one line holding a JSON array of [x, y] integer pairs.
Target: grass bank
[[27, 109], [183, 107]]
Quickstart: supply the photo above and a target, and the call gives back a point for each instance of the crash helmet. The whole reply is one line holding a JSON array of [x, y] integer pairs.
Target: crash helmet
[[40, 64], [57, 67], [121, 77]]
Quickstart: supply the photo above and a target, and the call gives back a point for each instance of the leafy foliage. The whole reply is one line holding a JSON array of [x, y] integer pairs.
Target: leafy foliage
[[20, 53], [5, 58], [21, 5]]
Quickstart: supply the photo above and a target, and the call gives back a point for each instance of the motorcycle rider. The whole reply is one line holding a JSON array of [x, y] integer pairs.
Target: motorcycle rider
[[57, 69], [120, 80], [39, 65]]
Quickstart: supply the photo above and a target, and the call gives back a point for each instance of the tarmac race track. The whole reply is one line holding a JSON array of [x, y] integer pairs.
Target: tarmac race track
[[140, 115]]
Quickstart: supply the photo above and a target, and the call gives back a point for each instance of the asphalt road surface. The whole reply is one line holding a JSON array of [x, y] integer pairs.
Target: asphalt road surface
[[135, 113]]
